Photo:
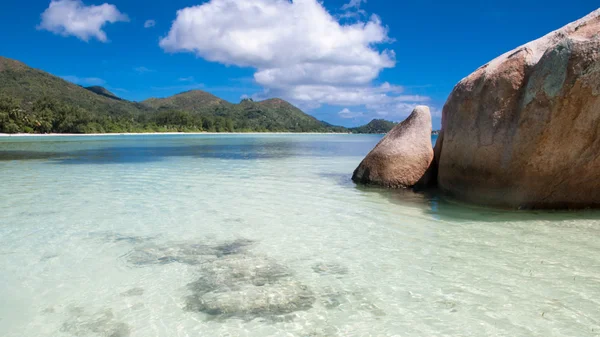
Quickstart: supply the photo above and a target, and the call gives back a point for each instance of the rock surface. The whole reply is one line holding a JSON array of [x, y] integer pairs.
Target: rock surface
[[248, 287], [402, 157], [523, 130]]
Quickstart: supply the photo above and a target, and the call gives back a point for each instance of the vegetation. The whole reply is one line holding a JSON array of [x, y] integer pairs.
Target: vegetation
[[33, 101], [375, 126]]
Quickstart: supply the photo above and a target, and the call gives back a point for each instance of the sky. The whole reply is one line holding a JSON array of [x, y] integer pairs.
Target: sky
[[343, 61]]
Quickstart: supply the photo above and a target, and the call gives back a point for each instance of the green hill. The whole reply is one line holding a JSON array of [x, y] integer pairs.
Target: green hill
[[35, 101], [192, 101], [375, 126], [28, 85]]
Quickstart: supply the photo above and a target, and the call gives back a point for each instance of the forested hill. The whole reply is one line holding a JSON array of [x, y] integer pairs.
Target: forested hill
[[375, 126], [33, 101]]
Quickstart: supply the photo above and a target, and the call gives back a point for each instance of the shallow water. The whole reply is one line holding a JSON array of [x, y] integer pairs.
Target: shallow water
[[246, 235]]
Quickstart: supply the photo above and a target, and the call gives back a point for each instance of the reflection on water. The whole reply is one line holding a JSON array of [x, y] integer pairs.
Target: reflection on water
[[267, 236]]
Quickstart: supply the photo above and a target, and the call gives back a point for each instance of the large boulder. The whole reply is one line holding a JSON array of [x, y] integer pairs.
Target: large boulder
[[524, 130], [402, 157]]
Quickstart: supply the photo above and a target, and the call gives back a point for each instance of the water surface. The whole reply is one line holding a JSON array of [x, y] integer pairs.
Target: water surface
[[265, 235]]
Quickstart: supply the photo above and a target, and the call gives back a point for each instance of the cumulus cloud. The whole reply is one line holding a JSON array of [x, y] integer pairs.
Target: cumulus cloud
[[84, 80], [299, 50], [74, 18], [149, 23], [346, 113], [398, 108]]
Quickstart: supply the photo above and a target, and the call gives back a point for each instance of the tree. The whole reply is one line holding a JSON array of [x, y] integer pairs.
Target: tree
[[11, 115]]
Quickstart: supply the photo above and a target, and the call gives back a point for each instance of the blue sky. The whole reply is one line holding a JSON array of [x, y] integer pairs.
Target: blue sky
[[343, 61]]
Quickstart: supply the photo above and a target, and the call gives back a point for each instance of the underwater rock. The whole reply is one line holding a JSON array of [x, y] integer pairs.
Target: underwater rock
[[133, 292], [247, 287], [116, 237], [102, 324], [256, 301], [359, 300], [186, 253]]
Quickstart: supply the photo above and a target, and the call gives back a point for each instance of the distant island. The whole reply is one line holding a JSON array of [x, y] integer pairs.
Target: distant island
[[33, 101]]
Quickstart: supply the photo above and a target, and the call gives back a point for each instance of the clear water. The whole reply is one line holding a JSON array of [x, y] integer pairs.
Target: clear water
[[244, 235]]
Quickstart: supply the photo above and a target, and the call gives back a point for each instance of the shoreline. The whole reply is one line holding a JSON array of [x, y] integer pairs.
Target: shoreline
[[163, 133]]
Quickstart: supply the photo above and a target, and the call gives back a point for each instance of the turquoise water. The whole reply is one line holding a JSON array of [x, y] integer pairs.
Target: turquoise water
[[246, 235]]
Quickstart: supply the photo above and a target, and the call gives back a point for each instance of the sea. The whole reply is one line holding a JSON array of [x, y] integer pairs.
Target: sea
[[266, 235]]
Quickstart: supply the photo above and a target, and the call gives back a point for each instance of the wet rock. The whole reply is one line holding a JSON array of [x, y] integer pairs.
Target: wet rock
[[247, 287], [102, 324]]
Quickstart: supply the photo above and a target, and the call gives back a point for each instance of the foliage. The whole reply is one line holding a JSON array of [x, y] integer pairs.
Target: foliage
[[375, 126], [34, 101]]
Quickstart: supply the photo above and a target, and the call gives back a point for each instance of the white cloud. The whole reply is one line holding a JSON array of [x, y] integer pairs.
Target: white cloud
[[142, 70], [346, 113], [353, 4], [187, 79], [400, 107], [353, 10], [299, 50], [84, 80], [149, 23], [74, 18]]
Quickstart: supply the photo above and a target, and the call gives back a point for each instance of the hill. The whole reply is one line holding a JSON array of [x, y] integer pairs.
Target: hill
[[103, 92], [268, 115], [375, 126], [28, 85], [192, 101], [32, 100]]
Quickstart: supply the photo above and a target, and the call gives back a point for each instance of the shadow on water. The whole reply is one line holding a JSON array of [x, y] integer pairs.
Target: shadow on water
[[28, 155], [146, 154], [442, 207]]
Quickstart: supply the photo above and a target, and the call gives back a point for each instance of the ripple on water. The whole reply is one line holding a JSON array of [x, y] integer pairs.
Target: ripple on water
[[351, 261], [191, 253], [101, 323]]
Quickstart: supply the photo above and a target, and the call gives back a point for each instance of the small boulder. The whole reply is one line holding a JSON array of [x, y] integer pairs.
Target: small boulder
[[402, 157]]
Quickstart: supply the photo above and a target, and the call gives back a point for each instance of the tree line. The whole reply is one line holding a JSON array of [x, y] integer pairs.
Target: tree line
[[48, 115]]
